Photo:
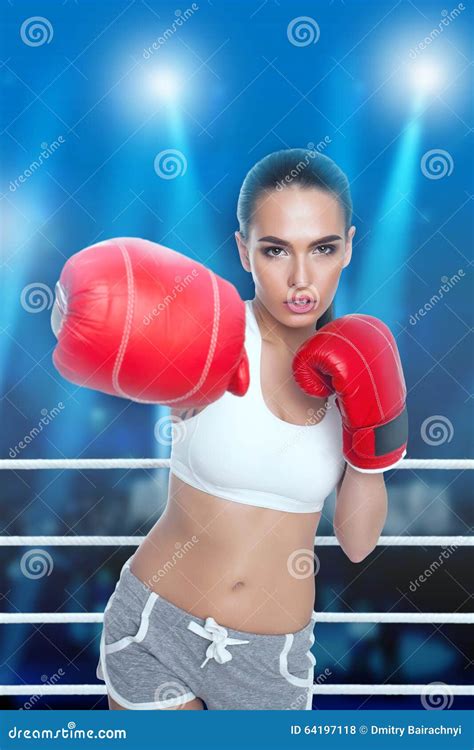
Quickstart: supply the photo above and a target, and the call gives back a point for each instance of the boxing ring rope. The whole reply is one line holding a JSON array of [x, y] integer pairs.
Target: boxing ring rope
[[22, 464], [456, 618], [134, 541], [429, 689], [360, 617]]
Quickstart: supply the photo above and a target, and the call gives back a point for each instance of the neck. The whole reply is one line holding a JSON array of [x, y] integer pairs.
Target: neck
[[276, 333]]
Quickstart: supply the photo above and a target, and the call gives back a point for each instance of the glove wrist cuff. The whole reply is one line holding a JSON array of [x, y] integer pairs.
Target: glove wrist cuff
[[378, 447]]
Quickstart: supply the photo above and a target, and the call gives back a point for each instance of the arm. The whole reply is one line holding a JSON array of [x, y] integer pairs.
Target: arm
[[138, 320], [356, 357], [360, 514]]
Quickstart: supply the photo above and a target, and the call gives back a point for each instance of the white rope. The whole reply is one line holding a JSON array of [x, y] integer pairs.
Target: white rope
[[432, 689], [424, 617], [55, 618], [133, 541], [436, 463], [32, 690], [70, 541], [14, 618], [388, 689], [22, 464], [406, 541]]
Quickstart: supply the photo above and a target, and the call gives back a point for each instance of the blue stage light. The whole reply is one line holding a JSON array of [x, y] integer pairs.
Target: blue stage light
[[426, 77], [165, 83]]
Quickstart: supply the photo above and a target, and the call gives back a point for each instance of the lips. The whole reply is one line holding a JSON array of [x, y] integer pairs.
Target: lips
[[301, 299], [301, 303]]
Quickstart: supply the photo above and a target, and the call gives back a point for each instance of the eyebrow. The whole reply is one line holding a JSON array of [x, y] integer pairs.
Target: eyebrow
[[279, 241]]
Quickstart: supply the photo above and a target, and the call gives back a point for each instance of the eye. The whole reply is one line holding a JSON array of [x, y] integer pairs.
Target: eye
[[277, 252], [279, 249]]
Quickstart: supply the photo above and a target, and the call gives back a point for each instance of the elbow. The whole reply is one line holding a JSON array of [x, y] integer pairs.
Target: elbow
[[357, 556], [354, 554]]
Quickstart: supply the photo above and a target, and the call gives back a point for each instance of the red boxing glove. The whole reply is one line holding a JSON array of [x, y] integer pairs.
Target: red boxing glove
[[138, 320], [357, 358]]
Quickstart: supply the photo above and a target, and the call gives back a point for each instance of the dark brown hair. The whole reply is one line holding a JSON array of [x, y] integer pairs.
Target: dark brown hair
[[288, 167]]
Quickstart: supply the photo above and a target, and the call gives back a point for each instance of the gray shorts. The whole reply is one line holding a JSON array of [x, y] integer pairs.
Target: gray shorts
[[155, 655]]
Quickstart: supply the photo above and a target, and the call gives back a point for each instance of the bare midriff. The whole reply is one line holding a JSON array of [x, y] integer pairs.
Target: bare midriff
[[250, 568]]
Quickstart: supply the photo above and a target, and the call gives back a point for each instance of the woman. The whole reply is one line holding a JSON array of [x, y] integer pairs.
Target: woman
[[228, 623]]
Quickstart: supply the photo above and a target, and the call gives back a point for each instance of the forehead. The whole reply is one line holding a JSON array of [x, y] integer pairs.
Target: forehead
[[295, 210]]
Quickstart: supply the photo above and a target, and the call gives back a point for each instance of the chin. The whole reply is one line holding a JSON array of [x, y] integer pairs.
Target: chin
[[294, 320]]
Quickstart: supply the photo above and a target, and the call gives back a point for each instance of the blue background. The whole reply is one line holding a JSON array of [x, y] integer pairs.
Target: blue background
[[247, 90]]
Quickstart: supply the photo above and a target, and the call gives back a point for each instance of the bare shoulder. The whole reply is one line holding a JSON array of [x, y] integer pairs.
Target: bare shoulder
[[187, 413]]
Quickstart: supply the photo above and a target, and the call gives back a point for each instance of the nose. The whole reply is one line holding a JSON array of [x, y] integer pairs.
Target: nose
[[302, 276]]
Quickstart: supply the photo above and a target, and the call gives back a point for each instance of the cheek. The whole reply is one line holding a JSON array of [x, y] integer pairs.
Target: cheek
[[265, 271], [328, 277]]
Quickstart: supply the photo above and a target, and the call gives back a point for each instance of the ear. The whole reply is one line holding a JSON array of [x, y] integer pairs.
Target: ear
[[243, 252], [348, 247]]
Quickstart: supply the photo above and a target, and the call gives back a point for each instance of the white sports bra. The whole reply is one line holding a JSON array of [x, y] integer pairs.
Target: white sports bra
[[237, 449]]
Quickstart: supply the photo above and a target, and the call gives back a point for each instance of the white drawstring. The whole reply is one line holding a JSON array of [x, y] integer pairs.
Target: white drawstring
[[218, 635]]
